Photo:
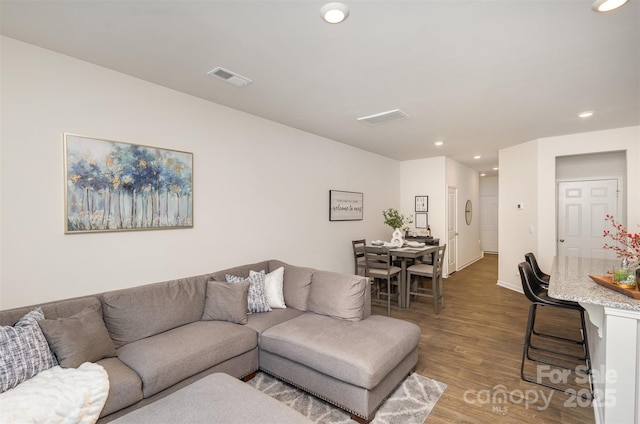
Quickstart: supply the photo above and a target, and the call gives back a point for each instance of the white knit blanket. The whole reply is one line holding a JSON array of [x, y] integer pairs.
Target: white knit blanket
[[57, 395]]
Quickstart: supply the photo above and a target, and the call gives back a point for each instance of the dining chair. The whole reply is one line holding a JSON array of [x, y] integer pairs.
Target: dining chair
[[379, 268], [530, 258], [538, 295], [427, 270], [358, 256]]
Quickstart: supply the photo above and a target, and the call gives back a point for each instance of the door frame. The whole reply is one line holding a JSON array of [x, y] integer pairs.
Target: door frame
[[620, 198], [452, 248]]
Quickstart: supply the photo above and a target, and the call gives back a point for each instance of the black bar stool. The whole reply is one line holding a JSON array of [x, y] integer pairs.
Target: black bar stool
[[538, 296], [531, 260]]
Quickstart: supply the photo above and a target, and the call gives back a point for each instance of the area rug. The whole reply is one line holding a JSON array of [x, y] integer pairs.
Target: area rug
[[411, 403]]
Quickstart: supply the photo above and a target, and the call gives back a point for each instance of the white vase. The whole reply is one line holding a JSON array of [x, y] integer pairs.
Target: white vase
[[396, 238]]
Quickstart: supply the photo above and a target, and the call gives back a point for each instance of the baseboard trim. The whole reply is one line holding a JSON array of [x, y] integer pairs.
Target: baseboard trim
[[510, 286]]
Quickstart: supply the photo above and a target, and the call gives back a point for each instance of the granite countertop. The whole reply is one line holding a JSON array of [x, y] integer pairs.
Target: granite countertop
[[570, 281]]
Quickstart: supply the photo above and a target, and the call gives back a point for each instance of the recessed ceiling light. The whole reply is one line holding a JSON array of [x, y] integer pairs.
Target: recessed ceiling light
[[439, 143], [483, 175], [586, 114], [477, 157], [334, 13], [496, 168], [607, 5]]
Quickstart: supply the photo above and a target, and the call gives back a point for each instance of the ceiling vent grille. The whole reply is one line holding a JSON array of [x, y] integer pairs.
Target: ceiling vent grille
[[379, 118], [228, 76]]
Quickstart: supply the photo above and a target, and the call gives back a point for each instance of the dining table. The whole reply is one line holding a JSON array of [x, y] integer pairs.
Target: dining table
[[404, 254]]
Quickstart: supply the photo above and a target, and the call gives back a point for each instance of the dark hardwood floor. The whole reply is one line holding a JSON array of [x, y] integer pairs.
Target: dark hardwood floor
[[475, 346]]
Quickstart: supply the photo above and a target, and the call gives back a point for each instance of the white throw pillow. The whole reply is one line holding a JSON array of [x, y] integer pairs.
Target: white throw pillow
[[273, 287]]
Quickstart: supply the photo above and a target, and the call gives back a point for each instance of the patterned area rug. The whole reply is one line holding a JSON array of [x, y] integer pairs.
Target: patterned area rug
[[411, 403]]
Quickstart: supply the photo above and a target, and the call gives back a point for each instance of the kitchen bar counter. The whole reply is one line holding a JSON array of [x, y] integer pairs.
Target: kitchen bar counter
[[570, 281], [613, 331]]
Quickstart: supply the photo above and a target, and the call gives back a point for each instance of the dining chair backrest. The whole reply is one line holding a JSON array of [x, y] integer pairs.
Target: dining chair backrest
[[358, 253], [530, 283], [439, 260], [377, 258]]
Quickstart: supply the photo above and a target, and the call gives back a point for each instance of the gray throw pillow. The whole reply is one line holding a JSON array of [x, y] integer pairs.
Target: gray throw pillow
[[24, 351], [256, 297], [226, 302], [80, 338]]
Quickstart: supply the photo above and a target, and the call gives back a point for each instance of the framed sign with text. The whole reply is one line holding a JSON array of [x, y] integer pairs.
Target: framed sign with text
[[345, 205]]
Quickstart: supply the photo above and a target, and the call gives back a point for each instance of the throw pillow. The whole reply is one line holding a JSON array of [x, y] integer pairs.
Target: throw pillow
[[273, 288], [24, 351], [80, 338], [256, 297], [226, 302]]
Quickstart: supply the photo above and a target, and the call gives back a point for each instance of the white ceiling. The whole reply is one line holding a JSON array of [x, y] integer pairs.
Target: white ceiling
[[479, 75]]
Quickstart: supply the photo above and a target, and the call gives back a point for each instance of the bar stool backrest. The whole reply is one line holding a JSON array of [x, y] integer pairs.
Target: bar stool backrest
[[531, 260], [530, 283]]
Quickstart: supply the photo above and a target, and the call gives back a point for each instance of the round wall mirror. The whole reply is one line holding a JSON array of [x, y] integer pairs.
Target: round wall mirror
[[468, 211]]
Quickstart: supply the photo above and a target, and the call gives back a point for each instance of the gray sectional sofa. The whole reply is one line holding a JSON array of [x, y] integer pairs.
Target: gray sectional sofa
[[164, 336]]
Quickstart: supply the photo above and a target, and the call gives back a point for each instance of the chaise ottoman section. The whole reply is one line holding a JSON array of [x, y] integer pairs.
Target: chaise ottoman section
[[361, 353], [355, 365], [170, 357], [217, 398]]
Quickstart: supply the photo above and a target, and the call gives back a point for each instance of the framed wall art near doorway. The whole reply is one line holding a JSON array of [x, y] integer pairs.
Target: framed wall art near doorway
[[422, 204], [422, 220]]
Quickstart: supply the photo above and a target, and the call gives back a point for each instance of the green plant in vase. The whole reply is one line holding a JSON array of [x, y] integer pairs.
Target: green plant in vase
[[395, 219]]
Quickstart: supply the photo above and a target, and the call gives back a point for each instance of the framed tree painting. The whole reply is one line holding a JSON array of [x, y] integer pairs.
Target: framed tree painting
[[117, 186]]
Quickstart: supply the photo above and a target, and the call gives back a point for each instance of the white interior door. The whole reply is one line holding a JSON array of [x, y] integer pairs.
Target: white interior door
[[582, 206], [489, 223], [452, 229]]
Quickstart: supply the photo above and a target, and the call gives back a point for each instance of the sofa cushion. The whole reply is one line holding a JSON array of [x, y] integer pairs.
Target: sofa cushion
[[337, 295], [361, 353], [261, 322], [273, 287], [170, 357], [297, 282], [138, 312], [125, 386], [24, 351], [51, 310], [256, 296], [80, 338], [226, 302]]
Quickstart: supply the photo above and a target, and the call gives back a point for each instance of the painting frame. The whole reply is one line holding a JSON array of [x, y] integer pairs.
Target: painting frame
[[112, 186], [346, 205], [422, 204], [422, 220]]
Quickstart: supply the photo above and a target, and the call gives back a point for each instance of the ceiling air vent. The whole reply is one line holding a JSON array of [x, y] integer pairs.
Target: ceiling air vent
[[230, 77], [379, 118]]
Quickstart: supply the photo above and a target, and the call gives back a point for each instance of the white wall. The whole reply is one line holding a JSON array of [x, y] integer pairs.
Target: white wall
[[489, 213], [528, 175], [467, 181], [431, 177], [260, 188], [517, 232]]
